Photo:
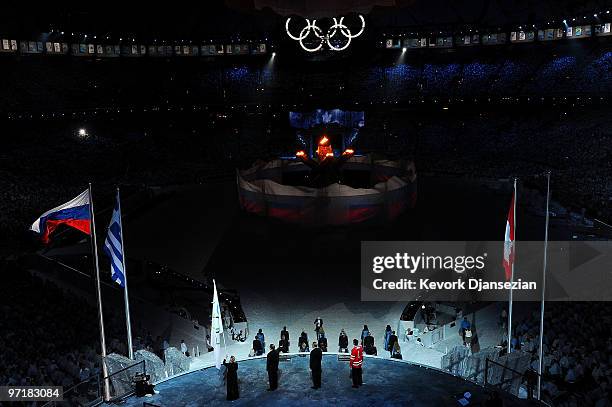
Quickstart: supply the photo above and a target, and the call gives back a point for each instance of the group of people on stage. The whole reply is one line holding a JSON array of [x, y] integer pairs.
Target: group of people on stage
[[391, 343], [316, 349], [273, 359]]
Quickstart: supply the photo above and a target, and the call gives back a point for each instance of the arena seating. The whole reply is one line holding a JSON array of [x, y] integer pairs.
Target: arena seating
[[45, 351], [178, 148], [577, 349], [80, 84]]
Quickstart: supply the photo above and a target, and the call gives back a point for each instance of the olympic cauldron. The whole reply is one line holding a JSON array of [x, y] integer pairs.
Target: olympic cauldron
[[367, 190]]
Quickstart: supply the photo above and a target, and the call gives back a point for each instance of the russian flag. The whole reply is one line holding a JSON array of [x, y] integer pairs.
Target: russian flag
[[74, 214], [361, 213], [509, 241]]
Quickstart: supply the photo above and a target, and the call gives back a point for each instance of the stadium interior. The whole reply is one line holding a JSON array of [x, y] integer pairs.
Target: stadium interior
[[211, 118]]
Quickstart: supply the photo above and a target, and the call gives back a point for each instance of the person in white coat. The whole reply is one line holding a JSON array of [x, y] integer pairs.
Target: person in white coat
[[184, 349]]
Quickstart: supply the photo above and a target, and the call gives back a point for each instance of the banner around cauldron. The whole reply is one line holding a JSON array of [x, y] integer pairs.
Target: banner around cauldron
[[262, 191]]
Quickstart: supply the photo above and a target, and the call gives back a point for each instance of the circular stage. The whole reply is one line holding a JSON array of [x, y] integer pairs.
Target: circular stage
[[387, 382], [371, 190]]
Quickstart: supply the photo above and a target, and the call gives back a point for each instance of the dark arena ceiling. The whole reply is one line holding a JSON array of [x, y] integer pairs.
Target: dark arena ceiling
[[257, 17]]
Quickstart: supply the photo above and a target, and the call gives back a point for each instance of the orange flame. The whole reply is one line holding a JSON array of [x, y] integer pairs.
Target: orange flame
[[329, 155], [324, 140], [348, 151], [300, 153]]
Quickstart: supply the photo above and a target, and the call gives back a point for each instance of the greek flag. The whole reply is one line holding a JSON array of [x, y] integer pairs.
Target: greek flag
[[113, 245]]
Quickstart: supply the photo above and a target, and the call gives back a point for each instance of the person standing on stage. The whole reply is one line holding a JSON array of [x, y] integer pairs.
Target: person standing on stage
[[365, 332], [356, 364], [283, 345], [303, 342], [258, 347], [322, 341], [231, 377], [318, 323], [184, 349], [391, 343], [343, 342], [272, 367], [387, 336], [465, 324], [316, 354], [396, 352], [261, 338], [285, 333]]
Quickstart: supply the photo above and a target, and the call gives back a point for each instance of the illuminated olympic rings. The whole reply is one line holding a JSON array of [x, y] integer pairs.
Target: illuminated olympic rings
[[337, 30]]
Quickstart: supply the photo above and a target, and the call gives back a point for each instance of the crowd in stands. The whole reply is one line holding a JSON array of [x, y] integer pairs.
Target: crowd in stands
[[575, 145], [49, 335], [45, 166], [577, 344], [571, 69]]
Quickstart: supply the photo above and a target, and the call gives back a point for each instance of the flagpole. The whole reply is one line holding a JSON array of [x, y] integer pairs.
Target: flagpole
[[94, 245], [540, 350], [512, 272], [216, 325], [125, 290], [224, 343]]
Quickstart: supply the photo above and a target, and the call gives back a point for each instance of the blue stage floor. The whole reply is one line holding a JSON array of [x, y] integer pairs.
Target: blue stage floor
[[386, 383]]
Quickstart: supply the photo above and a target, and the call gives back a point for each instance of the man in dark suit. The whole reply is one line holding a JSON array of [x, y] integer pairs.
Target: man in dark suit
[[343, 342], [285, 333], [272, 367], [315, 365], [323, 343], [283, 345], [257, 347], [368, 345], [392, 340]]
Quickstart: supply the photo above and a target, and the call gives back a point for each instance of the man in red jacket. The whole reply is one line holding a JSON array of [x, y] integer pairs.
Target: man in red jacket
[[356, 363]]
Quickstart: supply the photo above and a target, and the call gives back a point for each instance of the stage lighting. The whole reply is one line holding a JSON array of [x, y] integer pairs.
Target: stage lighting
[[82, 132], [404, 49], [273, 54]]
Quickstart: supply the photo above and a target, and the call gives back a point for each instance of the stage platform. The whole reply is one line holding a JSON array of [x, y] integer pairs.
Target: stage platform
[[386, 383]]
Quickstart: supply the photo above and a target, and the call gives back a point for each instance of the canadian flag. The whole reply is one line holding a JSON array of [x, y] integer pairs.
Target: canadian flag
[[509, 241]]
